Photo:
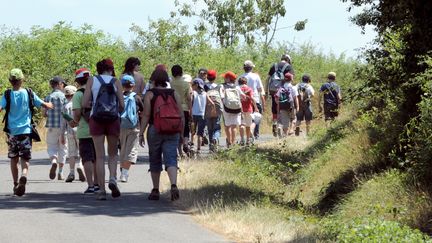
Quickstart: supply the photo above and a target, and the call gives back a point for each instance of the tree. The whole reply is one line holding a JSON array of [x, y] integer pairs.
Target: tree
[[228, 20]]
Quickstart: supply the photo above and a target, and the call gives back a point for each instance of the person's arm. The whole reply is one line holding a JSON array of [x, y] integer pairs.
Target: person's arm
[[146, 117], [320, 101], [87, 94], [40, 103], [179, 106], [119, 94], [191, 103]]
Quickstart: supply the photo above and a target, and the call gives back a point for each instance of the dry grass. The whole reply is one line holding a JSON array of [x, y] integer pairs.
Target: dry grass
[[39, 146]]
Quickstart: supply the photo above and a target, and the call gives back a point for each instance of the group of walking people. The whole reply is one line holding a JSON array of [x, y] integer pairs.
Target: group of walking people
[[178, 115]]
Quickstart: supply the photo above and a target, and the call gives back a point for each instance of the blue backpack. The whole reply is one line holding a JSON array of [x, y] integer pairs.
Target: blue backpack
[[105, 109], [129, 117]]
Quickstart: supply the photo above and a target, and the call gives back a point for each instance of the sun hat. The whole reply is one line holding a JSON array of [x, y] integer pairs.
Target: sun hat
[[230, 75], [211, 74], [248, 63], [82, 73], [70, 90], [331, 75], [16, 74], [127, 79], [199, 82]]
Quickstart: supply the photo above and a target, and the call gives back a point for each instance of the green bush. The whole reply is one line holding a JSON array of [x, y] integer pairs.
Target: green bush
[[370, 230]]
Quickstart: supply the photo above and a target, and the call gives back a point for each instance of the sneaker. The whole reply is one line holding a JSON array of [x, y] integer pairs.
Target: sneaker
[[52, 172], [112, 185], [81, 175], [274, 130], [242, 142], [90, 190], [175, 194], [60, 176], [297, 131], [154, 195], [70, 178], [124, 177], [101, 195], [96, 188], [20, 188], [205, 141]]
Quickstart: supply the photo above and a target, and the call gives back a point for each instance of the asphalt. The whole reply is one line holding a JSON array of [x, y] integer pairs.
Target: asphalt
[[55, 211]]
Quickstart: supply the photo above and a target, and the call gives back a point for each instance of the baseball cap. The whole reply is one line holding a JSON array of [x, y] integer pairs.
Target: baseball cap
[[57, 79], [306, 78], [204, 70], [288, 76], [230, 75], [286, 57], [331, 75], [211, 74], [16, 74], [82, 73], [199, 82], [249, 63], [187, 78], [127, 79], [70, 90]]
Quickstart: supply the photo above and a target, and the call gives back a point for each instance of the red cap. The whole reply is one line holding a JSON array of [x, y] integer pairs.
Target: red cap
[[230, 75], [82, 72], [288, 76], [211, 74]]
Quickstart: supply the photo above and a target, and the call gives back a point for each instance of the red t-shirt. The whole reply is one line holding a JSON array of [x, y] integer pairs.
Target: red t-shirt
[[247, 104]]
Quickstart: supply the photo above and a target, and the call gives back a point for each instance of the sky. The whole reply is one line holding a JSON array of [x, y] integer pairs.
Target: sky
[[328, 27]]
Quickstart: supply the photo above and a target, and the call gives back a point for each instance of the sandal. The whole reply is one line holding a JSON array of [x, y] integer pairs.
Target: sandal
[[154, 195]]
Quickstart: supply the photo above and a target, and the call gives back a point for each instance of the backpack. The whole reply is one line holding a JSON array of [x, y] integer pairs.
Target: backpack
[[166, 115], [303, 95], [34, 133], [277, 77], [286, 101], [232, 101], [333, 97], [105, 108], [129, 117], [215, 96]]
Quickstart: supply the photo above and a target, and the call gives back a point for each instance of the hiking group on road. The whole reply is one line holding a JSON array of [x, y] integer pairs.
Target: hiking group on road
[[178, 115]]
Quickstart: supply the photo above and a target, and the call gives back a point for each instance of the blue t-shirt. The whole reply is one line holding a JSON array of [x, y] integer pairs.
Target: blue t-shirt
[[331, 91], [20, 116]]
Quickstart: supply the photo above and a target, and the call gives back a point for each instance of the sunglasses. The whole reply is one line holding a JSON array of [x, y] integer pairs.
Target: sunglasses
[[202, 73]]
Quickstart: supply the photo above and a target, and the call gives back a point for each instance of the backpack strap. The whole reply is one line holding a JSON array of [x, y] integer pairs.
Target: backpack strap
[[31, 104], [284, 67], [7, 95]]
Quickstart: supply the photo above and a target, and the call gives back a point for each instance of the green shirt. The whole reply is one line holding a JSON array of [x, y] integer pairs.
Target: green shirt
[[83, 127], [182, 88]]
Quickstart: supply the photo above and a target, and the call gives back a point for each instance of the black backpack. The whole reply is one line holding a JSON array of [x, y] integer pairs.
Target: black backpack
[[34, 134], [106, 108]]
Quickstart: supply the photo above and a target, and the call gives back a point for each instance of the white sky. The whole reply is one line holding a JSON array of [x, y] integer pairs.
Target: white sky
[[328, 25]]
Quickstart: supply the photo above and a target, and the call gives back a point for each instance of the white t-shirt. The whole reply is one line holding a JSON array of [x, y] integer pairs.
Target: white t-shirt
[[255, 83], [289, 86], [309, 89], [199, 103]]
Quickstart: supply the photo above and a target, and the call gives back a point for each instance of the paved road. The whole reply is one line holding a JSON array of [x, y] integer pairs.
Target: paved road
[[55, 211]]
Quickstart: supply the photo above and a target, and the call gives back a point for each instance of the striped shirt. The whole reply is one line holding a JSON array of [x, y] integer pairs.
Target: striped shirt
[[54, 116]]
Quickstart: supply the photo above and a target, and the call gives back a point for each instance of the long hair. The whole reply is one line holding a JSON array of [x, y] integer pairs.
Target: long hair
[[130, 64]]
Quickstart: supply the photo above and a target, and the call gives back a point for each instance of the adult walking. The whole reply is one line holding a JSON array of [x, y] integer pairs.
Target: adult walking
[[163, 114], [107, 101], [330, 95], [276, 75], [132, 68]]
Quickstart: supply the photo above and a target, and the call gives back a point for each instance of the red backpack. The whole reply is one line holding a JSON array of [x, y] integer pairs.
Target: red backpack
[[166, 115]]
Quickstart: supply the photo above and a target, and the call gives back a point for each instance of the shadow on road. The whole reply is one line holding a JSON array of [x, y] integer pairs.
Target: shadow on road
[[128, 205]]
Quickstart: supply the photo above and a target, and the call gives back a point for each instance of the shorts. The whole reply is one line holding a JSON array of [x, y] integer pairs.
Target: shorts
[[87, 150], [199, 125], [305, 114], [72, 146], [108, 129], [54, 148], [330, 112], [232, 119], [129, 145], [286, 118], [19, 146], [246, 119], [162, 149]]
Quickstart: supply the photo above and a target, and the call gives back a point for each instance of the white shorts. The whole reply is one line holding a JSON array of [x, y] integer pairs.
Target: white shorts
[[129, 141], [247, 119], [72, 143], [232, 119], [54, 147]]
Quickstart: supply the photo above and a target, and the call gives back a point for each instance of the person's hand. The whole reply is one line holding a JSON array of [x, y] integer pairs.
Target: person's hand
[[73, 123], [141, 140], [49, 106], [62, 139]]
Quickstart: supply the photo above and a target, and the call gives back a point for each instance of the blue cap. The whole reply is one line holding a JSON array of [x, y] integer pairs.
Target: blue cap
[[127, 79], [198, 81]]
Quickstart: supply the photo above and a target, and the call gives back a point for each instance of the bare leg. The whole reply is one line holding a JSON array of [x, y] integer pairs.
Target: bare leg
[[242, 133], [24, 166], [248, 133], [88, 170], [72, 161], [228, 135], [199, 142], [172, 174], [100, 160], [155, 179], [233, 133], [126, 165], [14, 169]]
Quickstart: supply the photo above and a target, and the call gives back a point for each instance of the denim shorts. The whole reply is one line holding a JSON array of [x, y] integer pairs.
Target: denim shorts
[[199, 124], [162, 149]]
